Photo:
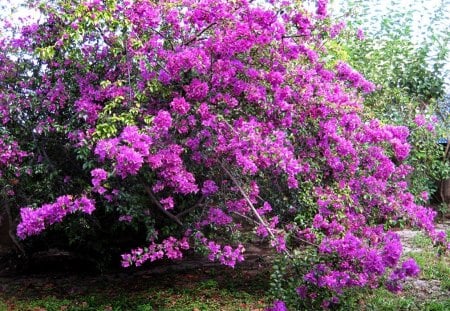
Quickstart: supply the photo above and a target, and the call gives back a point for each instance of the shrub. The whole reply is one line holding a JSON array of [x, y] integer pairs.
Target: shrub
[[195, 119]]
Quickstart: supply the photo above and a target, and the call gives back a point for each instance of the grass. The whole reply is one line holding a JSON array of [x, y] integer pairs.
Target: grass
[[382, 299], [215, 290], [197, 298], [433, 268]]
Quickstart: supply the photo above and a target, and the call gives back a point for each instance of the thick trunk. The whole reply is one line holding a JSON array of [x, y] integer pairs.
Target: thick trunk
[[8, 239], [6, 244]]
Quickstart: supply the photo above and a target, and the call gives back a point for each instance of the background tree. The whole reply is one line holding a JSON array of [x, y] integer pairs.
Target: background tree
[[404, 52]]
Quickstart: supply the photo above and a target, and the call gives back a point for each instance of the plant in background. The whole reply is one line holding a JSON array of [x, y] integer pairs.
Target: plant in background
[[192, 120], [408, 68]]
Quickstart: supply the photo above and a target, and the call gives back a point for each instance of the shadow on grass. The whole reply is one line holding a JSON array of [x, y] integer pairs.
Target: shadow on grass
[[200, 289]]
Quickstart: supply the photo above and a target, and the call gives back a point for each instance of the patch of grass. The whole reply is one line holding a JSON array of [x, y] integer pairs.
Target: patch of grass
[[382, 299], [420, 240], [208, 284], [437, 305], [385, 300], [207, 295], [227, 290], [196, 299], [433, 267]]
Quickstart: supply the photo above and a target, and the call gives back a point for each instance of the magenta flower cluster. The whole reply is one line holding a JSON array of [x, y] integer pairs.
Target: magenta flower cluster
[[225, 254], [132, 150], [170, 248], [34, 221], [408, 268], [10, 155], [278, 306]]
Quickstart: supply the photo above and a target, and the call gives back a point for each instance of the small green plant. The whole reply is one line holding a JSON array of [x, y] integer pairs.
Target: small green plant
[[421, 241]]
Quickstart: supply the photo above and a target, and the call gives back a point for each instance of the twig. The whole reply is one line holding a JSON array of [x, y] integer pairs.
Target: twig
[[200, 33], [164, 37], [245, 217], [292, 36], [441, 190], [258, 216], [305, 241], [447, 149]]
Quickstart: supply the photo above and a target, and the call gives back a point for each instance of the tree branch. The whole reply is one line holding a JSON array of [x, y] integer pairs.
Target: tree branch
[[305, 241], [200, 33], [252, 207], [160, 207], [236, 183], [187, 211]]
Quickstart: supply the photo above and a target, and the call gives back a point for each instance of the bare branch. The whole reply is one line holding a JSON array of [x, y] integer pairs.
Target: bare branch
[[305, 241], [187, 211], [160, 207], [196, 36], [258, 216]]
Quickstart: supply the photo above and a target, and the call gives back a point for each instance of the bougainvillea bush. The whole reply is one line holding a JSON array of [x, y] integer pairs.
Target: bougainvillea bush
[[199, 120]]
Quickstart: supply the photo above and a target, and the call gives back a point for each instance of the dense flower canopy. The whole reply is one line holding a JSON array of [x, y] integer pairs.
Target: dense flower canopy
[[216, 115]]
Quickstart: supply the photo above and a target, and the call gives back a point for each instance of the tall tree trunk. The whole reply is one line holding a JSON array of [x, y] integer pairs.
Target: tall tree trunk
[[8, 239]]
